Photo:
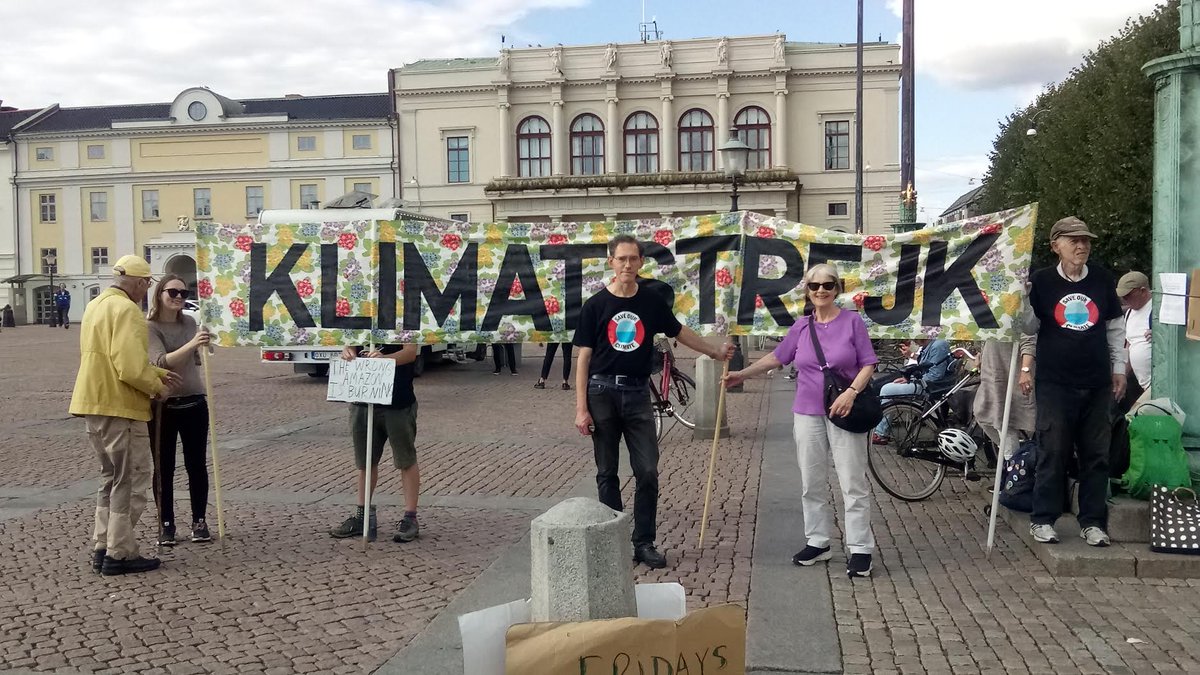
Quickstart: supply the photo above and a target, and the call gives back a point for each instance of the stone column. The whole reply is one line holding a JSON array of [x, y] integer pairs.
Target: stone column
[[779, 125], [721, 133], [613, 133], [507, 134], [668, 130], [558, 138], [708, 392]]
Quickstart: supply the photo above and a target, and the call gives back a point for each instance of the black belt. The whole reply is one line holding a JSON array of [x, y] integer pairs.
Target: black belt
[[627, 381]]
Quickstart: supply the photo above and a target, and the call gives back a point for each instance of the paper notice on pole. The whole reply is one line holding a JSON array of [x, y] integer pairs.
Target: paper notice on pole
[[361, 380], [1193, 325], [1173, 309]]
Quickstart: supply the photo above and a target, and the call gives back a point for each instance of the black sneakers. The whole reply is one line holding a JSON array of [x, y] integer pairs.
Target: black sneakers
[[353, 526], [98, 560], [166, 536], [409, 530], [859, 565], [200, 532], [112, 567], [649, 556], [811, 555]]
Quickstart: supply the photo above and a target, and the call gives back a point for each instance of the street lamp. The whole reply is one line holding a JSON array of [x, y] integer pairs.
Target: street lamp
[[51, 261], [1032, 130], [735, 154]]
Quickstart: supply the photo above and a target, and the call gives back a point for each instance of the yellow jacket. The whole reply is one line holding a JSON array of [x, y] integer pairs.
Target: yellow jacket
[[115, 376]]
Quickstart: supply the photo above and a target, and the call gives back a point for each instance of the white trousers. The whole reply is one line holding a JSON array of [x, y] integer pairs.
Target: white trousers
[[816, 438]]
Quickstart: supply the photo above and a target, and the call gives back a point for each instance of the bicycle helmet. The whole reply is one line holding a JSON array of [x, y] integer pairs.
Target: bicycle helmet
[[956, 444]]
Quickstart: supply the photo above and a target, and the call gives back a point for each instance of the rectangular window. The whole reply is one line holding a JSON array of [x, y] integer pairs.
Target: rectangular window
[[202, 202], [458, 160], [254, 200], [48, 208], [44, 154], [461, 217], [47, 266], [95, 152], [363, 187], [306, 143], [149, 204], [360, 141], [839, 209], [99, 258], [308, 197], [99, 206], [837, 145]]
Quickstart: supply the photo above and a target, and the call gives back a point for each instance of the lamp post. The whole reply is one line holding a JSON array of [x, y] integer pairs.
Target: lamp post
[[735, 155], [51, 261], [1032, 130]]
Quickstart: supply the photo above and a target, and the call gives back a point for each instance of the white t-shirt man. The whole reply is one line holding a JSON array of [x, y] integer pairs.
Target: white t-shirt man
[[1137, 326]]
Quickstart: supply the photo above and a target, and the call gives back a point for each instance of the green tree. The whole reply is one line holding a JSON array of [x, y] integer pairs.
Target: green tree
[[1093, 154]]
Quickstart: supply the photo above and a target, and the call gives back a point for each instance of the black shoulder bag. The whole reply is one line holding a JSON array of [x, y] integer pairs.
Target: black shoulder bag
[[866, 411]]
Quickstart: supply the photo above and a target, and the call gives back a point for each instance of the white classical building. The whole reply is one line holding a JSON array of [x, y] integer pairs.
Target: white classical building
[[632, 130]]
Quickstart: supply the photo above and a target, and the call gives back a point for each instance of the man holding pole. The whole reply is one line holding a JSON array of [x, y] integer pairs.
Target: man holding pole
[[112, 393], [395, 423], [615, 336]]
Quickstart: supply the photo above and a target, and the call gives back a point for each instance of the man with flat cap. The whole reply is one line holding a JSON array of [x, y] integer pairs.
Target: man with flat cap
[[112, 393], [1080, 360], [1134, 291]]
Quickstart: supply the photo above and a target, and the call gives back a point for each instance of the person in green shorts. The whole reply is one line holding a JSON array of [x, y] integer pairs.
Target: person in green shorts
[[395, 423]]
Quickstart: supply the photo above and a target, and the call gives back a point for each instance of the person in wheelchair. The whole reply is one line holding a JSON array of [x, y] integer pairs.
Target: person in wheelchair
[[932, 374]]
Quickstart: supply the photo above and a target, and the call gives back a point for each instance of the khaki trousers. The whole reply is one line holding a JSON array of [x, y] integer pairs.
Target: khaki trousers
[[123, 448]]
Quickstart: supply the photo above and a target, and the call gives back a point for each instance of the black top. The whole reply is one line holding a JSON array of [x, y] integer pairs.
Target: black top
[[620, 331], [402, 386], [1072, 346]]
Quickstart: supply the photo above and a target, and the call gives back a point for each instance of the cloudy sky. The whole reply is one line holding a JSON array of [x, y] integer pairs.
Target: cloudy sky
[[977, 61]]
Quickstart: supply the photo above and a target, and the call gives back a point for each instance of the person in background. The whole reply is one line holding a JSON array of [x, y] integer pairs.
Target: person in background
[[1134, 291], [843, 338], [549, 361], [933, 353], [509, 355], [62, 306], [175, 344], [994, 364]]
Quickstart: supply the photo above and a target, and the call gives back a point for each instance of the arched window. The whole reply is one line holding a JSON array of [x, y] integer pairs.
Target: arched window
[[755, 127], [533, 148], [696, 141], [641, 143], [587, 146]]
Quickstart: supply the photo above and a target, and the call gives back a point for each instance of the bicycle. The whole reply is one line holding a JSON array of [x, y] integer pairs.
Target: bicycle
[[909, 465], [673, 392]]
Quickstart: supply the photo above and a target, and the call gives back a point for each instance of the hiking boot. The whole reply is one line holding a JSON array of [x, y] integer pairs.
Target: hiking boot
[[98, 560], [112, 567], [859, 565], [200, 532], [1045, 534], [166, 537], [409, 529], [353, 526], [1095, 536], [649, 556], [811, 555]]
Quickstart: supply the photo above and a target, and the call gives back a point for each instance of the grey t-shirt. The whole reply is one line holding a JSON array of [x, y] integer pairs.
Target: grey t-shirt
[[166, 338]]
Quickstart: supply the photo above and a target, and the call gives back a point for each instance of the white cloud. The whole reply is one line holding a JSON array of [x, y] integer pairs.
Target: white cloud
[[942, 180], [971, 44], [83, 52]]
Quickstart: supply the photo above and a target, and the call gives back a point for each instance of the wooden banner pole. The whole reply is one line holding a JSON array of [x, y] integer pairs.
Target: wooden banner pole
[[712, 459], [212, 440]]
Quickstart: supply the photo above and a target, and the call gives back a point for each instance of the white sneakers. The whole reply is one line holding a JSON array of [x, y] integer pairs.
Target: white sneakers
[[1095, 536], [1045, 534]]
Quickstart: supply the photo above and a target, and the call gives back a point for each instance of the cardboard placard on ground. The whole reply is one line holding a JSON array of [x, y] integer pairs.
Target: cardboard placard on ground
[[361, 380], [710, 641]]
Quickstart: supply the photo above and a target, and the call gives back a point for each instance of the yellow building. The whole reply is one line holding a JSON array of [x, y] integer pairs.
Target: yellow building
[[96, 183]]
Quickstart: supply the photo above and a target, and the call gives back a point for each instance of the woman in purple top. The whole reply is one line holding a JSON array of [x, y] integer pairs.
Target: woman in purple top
[[843, 338]]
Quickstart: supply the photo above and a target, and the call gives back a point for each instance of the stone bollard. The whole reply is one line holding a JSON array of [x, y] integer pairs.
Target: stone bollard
[[708, 389], [580, 564]]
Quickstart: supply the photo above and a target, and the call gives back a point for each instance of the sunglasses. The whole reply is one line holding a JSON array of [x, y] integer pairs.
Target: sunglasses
[[178, 292], [827, 285]]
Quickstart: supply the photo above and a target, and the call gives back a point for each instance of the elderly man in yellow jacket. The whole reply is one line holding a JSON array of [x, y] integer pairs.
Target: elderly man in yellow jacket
[[112, 393]]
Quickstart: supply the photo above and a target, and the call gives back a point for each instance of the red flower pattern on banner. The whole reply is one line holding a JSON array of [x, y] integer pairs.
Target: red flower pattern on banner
[[724, 278], [874, 242], [859, 299], [237, 307], [556, 239], [242, 243], [758, 301], [347, 240], [305, 288], [765, 232], [451, 241], [204, 288], [994, 228], [516, 289], [552, 305], [342, 308], [664, 237], [986, 297]]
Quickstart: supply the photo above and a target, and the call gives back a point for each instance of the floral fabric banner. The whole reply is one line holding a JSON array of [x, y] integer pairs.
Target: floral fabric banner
[[740, 273]]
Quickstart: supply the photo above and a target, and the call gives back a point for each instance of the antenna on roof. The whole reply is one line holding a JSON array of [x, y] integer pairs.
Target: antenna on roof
[[649, 29]]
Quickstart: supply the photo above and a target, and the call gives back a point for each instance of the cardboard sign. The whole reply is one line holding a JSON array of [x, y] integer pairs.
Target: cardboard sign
[[362, 380], [710, 641], [1193, 311]]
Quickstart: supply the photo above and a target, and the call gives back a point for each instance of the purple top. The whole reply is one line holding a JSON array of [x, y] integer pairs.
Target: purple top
[[847, 348]]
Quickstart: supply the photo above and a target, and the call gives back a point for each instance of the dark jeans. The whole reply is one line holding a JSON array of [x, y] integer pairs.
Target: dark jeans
[[625, 412], [191, 427], [1072, 420], [509, 352], [63, 315], [549, 360]]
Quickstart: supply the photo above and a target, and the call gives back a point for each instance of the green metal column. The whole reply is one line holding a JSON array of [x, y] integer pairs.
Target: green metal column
[[1176, 248]]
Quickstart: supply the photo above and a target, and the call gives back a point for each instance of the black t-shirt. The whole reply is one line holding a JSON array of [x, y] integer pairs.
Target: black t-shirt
[[620, 331], [402, 385], [1072, 346]]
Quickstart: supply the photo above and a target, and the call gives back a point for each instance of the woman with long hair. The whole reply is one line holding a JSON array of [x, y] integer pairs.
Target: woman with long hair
[[847, 349], [175, 341]]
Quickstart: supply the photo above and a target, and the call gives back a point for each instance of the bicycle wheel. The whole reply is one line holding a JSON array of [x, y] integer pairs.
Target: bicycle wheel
[[658, 409], [682, 397], [906, 477]]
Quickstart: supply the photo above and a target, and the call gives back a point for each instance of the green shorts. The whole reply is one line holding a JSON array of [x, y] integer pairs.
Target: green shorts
[[398, 425]]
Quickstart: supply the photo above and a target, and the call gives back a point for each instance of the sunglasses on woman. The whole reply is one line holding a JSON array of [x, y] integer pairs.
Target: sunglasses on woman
[[827, 285], [178, 293]]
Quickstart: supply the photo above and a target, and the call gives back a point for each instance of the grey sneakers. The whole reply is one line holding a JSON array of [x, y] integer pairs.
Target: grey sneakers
[[1095, 536], [1042, 533]]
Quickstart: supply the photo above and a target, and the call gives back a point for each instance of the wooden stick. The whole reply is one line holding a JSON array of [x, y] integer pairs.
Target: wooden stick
[[712, 459], [212, 439], [155, 452]]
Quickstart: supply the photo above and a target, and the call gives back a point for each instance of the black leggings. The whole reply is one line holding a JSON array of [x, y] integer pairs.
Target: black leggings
[[549, 360], [191, 426], [509, 352]]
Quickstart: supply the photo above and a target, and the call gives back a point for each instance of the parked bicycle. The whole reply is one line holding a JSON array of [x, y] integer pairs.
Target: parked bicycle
[[673, 391], [928, 433]]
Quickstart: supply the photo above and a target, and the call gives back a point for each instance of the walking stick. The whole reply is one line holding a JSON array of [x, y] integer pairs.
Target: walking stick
[[155, 450], [212, 439], [712, 459]]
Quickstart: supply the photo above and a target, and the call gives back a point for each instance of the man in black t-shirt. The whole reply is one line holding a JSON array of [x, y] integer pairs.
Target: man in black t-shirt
[[1080, 372], [395, 424], [615, 336]]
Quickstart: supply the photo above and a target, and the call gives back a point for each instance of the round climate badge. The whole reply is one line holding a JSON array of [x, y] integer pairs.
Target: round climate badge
[[1076, 311], [626, 331]]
